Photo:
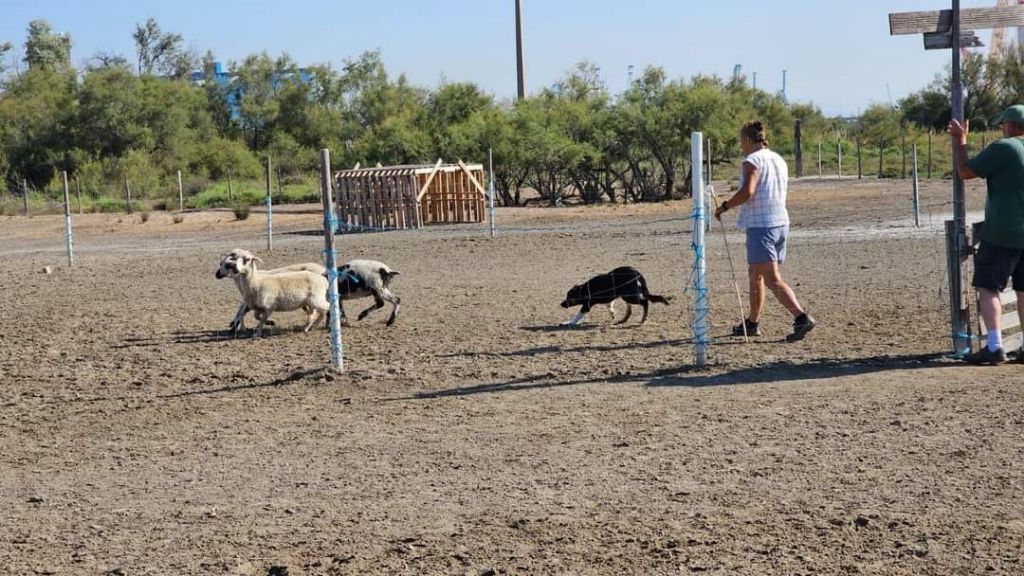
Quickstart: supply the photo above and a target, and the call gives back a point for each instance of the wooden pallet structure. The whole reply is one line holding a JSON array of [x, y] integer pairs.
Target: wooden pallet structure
[[411, 196]]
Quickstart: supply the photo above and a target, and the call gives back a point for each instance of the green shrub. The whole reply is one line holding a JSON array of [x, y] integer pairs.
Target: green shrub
[[241, 210]]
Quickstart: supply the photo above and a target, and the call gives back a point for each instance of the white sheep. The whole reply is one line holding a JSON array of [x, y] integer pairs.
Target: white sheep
[[238, 322], [286, 291]]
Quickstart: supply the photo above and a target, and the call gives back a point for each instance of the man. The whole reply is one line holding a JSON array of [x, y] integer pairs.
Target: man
[[999, 257], [762, 195]]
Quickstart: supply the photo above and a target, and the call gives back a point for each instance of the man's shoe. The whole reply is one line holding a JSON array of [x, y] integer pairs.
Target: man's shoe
[[1017, 356], [801, 326], [752, 328], [986, 356]]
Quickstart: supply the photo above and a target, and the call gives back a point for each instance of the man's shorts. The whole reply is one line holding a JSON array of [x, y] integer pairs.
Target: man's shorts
[[994, 265], [767, 244]]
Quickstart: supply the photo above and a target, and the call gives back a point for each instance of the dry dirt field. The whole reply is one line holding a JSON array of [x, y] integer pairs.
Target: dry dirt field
[[476, 436]]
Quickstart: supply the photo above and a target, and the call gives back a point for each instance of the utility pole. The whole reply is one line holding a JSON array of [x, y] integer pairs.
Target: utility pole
[[520, 71]]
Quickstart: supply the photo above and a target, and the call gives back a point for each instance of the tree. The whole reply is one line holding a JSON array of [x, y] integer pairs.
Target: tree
[[36, 111], [161, 52], [45, 49]]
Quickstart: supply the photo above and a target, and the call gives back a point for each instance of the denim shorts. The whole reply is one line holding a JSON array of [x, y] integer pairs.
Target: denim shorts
[[767, 244]]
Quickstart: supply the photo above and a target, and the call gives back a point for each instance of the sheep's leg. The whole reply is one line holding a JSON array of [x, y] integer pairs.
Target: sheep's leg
[[238, 322], [397, 303], [611, 309], [378, 303], [314, 318], [262, 316]]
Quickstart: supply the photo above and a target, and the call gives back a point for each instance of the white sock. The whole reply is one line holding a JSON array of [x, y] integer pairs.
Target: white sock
[[995, 340]]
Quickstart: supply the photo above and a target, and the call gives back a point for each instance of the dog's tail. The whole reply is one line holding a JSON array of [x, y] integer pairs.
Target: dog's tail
[[652, 297], [660, 299]]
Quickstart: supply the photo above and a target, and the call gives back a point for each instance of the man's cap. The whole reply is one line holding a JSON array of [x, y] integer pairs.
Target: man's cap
[[1014, 114]]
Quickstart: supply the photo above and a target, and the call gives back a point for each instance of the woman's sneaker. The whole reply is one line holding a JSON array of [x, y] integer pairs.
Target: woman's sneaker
[[801, 326], [986, 356], [752, 328]]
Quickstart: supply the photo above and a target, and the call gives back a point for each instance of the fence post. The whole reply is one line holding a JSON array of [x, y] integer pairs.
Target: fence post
[[839, 148], [24, 189], [929, 154], [917, 200], [270, 211], [881, 155], [78, 190], [798, 152], [230, 194], [860, 171], [337, 358], [181, 193], [700, 301], [819, 159], [490, 187], [903, 151], [67, 222], [128, 195]]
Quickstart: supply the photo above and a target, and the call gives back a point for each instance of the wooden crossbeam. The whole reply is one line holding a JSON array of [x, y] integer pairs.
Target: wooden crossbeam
[[944, 40], [942, 20]]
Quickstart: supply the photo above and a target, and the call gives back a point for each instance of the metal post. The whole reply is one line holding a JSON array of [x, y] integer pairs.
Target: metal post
[[67, 222], [819, 159], [520, 70], [917, 200], [78, 190], [24, 189], [337, 358], [860, 166], [959, 316], [708, 146], [490, 188], [929, 176], [903, 152], [839, 147], [799, 152], [181, 193], [881, 155], [230, 191], [270, 211], [700, 301], [128, 195]]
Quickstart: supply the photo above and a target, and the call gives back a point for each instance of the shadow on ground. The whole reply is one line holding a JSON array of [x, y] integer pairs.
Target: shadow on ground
[[713, 375]]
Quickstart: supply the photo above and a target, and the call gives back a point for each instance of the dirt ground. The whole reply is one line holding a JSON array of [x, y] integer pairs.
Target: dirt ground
[[476, 436]]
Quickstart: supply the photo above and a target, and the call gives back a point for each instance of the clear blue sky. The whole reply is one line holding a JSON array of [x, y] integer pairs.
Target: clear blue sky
[[837, 54]]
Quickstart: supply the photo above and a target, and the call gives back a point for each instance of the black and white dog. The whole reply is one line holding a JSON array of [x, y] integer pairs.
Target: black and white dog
[[624, 282]]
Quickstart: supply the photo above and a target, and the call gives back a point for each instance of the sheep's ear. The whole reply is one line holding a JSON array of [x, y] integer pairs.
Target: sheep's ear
[[257, 258]]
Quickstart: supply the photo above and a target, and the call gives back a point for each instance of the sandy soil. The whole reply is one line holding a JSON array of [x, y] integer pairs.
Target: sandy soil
[[476, 436]]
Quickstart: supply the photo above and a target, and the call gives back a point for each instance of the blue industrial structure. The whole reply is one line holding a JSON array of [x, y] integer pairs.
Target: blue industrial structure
[[225, 80]]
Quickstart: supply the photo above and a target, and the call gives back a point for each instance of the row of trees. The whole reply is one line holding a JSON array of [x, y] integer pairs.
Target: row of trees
[[111, 119]]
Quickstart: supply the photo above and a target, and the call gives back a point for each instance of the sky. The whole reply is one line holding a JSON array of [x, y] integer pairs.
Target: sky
[[836, 55]]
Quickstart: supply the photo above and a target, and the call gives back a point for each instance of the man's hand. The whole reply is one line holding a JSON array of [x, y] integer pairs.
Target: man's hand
[[720, 210], [959, 130]]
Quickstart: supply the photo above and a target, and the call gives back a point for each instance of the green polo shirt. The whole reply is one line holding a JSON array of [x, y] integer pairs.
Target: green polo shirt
[[1002, 166]]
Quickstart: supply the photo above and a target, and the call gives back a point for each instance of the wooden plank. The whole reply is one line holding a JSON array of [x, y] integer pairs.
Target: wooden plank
[[944, 40], [942, 20], [1013, 341], [1007, 297], [472, 179], [1007, 321], [430, 178]]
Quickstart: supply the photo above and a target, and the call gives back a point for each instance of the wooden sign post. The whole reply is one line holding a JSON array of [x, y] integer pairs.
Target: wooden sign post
[[944, 29]]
